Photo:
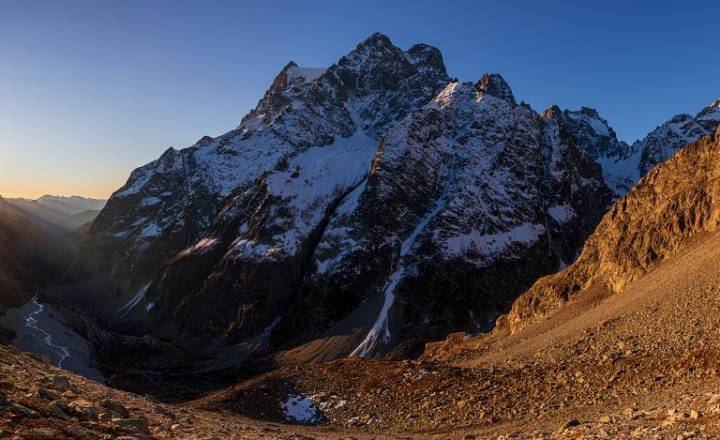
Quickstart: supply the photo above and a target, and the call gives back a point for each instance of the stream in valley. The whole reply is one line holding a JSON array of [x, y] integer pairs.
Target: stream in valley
[[41, 328]]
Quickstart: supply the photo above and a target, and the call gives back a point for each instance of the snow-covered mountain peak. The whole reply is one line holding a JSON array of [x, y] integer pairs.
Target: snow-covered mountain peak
[[494, 84], [596, 139], [589, 111], [310, 138], [590, 130], [357, 181], [711, 113], [591, 118]]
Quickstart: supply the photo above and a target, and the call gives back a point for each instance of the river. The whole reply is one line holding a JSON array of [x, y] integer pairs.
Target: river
[[41, 328]]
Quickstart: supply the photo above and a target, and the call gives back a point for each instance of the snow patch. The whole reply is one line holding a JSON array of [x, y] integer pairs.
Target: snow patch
[[312, 180], [134, 301], [599, 126], [561, 213], [151, 230], [620, 175], [150, 201], [300, 409], [493, 244]]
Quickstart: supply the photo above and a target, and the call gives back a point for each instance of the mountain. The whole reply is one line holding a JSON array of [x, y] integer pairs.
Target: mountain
[[361, 211], [468, 201], [624, 165], [336, 115], [59, 215], [346, 189]]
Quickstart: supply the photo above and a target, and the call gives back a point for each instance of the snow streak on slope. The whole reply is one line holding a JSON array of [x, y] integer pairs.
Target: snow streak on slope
[[491, 244], [381, 323], [304, 190], [134, 301]]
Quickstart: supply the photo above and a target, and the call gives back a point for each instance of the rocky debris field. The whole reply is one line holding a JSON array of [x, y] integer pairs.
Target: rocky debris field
[[38, 401]]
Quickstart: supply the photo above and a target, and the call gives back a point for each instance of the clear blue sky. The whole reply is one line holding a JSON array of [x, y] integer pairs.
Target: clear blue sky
[[91, 90]]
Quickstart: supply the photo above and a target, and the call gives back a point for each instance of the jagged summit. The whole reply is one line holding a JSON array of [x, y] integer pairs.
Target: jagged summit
[[494, 84], [167, 205], [377, 39], [589, 112]]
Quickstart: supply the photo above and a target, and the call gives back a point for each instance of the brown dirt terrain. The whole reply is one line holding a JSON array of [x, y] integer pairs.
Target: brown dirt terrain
[[39, 401]]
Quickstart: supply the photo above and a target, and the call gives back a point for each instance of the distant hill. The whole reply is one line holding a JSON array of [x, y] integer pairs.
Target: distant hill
[[30, 254], [57, 214], [71, 205]]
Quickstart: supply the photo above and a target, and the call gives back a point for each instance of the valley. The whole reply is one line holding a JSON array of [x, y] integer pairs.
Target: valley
[[377, 250]]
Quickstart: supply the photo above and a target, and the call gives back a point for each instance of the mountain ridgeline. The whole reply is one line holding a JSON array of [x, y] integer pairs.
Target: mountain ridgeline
[[377, 203]]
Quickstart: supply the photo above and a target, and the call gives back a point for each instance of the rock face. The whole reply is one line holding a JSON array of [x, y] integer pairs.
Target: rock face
[[375, 198], [468, 200], [678, 199]]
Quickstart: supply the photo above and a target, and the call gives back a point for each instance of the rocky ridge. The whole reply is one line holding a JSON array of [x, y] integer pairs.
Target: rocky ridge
[[674, 202]]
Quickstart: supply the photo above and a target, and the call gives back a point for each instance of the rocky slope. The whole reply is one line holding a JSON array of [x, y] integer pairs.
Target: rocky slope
[[675, 201], [343, 190], [38, 401]]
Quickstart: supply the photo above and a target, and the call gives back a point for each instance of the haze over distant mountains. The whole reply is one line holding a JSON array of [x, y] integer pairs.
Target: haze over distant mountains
[[32, 252], [60, 214]]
